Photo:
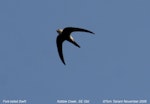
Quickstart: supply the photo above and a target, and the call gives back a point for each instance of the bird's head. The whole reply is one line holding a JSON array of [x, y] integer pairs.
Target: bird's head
[[59, 31]]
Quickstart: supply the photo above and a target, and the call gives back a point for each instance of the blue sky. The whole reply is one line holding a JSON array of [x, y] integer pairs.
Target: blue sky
[[112, 64]]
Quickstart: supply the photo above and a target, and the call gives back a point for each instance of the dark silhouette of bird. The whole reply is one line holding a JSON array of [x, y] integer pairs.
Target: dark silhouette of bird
[[65, 34]]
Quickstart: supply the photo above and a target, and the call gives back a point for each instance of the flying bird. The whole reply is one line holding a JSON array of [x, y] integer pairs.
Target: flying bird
[[65, 34]]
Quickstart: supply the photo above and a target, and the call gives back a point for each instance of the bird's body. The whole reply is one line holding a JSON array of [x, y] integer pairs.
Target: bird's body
[[65, 34]]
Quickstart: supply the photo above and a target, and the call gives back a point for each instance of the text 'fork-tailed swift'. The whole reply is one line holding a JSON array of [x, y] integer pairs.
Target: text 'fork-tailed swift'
[[65, 34]]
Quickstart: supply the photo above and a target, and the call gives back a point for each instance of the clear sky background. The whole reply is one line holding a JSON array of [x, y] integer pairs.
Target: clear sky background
[[112, 64]]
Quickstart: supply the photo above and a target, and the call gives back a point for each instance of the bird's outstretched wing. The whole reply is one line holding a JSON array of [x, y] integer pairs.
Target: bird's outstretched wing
[[68, 30], [59, 42]]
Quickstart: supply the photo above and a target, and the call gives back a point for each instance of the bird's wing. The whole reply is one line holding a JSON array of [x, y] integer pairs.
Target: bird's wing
[[68, 30], [59, 42]]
